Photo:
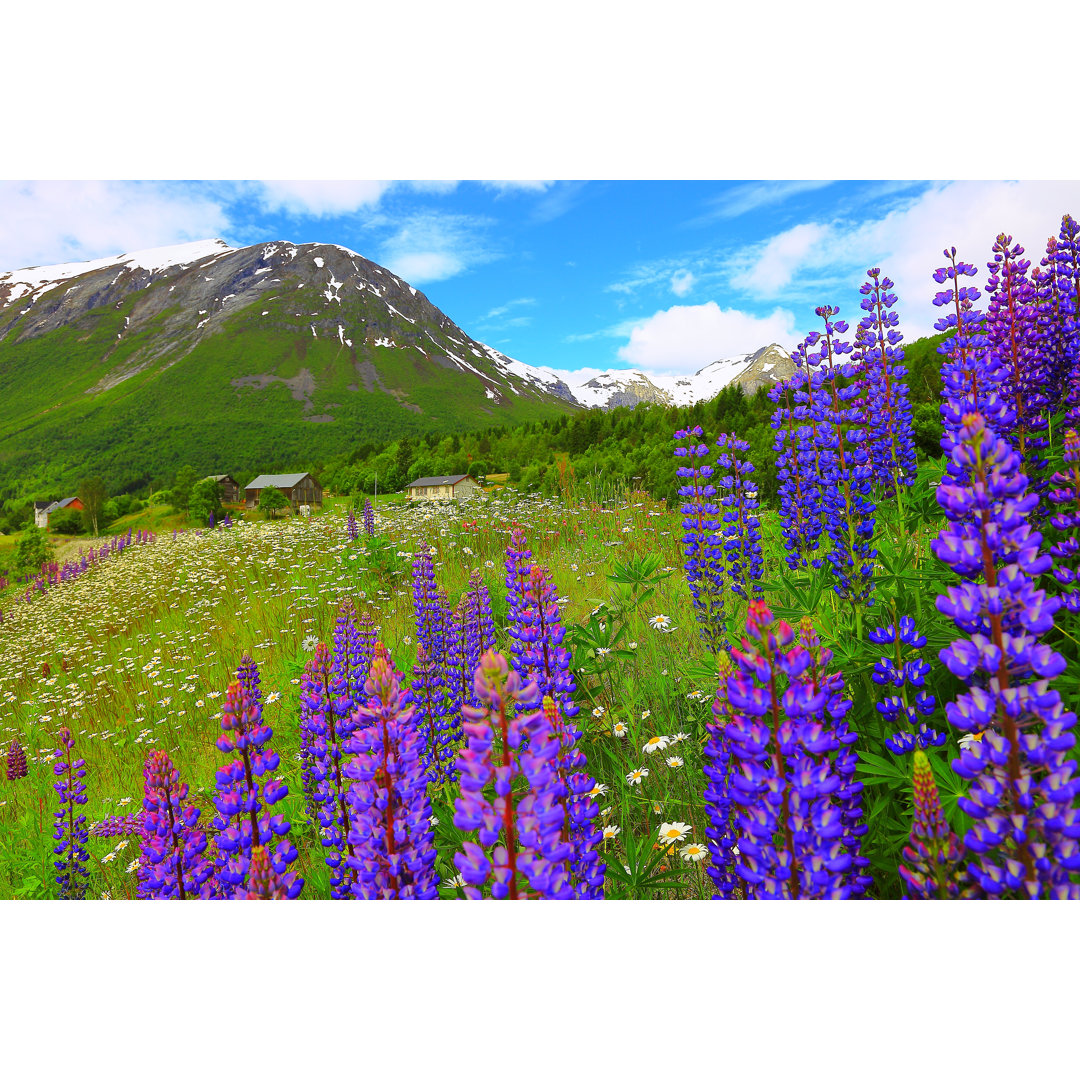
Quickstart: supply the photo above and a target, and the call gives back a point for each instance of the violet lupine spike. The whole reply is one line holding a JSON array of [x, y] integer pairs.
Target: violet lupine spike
[[703, 557], [1067, 274], [366, 635], [349, 657], [391, 834], [1066, 520], [247, 675], [506, 742], [798, 500], [369, 518], [70, 832], [480, 609], [518, 562], [580, 807], [718, 805], [846, 469], [16, 761], [352, 527], [244, 797], [892, 444], [1023, 789], [905, 668], [971, 375], [789, 823], [264, 882], [848, 796], [328, 710], [1013, 336], [172, 848], [930, 866], [428, 609], [540, 632], [740, 529], [436, 750], [118, 825]]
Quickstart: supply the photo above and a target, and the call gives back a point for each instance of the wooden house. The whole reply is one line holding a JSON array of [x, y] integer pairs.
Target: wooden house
[[443, 488], [301, 489], [230, 489], [42, 512]]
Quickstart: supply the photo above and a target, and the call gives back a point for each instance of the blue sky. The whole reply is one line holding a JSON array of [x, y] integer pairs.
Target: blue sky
[[578, 276]]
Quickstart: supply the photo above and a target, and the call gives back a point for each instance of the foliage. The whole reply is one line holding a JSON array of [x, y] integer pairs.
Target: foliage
[[205, 500], [271, 501], [92, 497]]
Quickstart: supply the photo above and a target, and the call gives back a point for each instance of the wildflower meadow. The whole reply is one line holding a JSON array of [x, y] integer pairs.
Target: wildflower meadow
[[866, 690]]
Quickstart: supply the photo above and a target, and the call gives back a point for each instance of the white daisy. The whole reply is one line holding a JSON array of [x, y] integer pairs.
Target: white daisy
[[657, 742], [636, 776], [693, 852], [672, 832], [659, 622]]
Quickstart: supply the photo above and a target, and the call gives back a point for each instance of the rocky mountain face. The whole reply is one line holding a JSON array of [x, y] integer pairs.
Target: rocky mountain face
[[175, 298]]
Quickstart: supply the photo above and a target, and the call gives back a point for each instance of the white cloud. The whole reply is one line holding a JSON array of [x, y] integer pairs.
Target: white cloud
[[53, 221], [776, 262], [746, 197], [683, 339], [906, 243], [682, 281], [433, 247], [502, 309], [321, 198]]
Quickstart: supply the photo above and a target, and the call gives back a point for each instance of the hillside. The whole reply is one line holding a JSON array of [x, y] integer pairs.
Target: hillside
[[257, 358]]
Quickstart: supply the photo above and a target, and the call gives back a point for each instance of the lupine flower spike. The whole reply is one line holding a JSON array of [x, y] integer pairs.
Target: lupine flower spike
[[172, 858], [530, 859], [393, 850], [71, 832], [1023, 793], [931, 856]]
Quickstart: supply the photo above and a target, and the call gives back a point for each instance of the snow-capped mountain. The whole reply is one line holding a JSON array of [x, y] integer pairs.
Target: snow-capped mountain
[[630, 387]]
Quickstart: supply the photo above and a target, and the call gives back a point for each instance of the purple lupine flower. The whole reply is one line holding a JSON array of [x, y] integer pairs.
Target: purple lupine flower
[[538, 630], [366, 635], [518, 562], [369, 518], [903, 669], [264, 882], [1066, 499], [242, 793], [428, 694], [430, 617], [70, 832], [1023, 792], [505, 742], [846, 469], [1013, 337], [16, 761], [118, 825], [349, 656], [391, 835], [171, 849], [800, 513], [352, 526], [480, 607], [718, 806], [848, 795], [971, 376], [790, 827], [576, 793], [740, 529], [892, 445], [930, 866], [703, 558], [247, 675], [328, 712]]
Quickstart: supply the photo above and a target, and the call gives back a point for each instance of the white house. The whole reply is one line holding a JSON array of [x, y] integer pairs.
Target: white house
[[443, 488]]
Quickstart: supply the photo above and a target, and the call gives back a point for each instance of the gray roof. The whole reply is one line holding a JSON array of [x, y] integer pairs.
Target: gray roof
[[64, 502], [438, 481], [278, 480], [220, 476]]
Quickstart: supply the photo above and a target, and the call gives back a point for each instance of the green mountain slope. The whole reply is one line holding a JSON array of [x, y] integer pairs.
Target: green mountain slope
[[264, 358]]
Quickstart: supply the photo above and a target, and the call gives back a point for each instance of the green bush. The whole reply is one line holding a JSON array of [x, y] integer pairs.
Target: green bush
[[66, 522], [32, 550]]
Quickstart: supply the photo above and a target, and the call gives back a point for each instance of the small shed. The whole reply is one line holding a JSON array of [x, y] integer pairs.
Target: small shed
[[301, 489], [230, 489], [443, 488]]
